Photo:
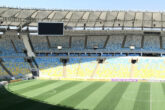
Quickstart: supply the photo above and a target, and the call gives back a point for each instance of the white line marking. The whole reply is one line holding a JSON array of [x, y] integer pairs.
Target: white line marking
[[150, 98]]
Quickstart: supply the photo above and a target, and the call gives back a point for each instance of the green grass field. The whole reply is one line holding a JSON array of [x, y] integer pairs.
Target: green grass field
[[87, 95]]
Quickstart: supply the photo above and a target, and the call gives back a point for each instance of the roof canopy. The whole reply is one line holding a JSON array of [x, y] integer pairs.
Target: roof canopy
[[79, 18]]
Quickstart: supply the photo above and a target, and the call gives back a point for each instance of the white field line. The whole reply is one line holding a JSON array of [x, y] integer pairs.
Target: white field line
[[150, 98]]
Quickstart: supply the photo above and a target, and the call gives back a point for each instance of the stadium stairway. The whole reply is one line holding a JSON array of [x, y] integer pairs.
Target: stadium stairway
[[30, 53]]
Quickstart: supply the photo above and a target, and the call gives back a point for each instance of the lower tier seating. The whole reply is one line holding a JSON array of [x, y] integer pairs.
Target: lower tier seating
[[16, 66], [121, 67], [90, 68]]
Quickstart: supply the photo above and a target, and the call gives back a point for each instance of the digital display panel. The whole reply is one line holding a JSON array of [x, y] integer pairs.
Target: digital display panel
[[52, 29]]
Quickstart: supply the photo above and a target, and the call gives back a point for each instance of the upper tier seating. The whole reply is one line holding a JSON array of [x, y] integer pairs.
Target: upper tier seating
[[7, 47], [115, 43], [96, 41], [39, 43], [133, 41], [151, 43]]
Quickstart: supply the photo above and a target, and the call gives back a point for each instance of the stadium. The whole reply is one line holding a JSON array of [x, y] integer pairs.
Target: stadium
[[100, 60]]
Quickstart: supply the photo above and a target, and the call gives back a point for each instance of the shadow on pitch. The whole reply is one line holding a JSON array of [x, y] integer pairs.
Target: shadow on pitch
[[9, 101]]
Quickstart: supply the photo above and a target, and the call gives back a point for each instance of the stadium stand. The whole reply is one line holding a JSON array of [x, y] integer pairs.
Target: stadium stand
[[11, 46], [39, 43], [88, 36], [84, 68], [151, 42], [59, 41], [2, 72], [115, 43], [78, 43], [17, 66], [133, 41], [104, 51], [163, 42], [51, 66], [96, 41]]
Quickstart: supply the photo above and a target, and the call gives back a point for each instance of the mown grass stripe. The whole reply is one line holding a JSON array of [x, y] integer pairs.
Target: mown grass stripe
[[46, 107], [55, 91], [163, 87], [25, 85], [158, 96], [56, 99], [20, 82], [75, 99], [143, 97], [46, 95], [44, 89], [36, 86], [91, 101], [128, 99], [112, 98]]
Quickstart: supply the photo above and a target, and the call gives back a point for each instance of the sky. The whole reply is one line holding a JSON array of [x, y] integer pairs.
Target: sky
[[144, 5]]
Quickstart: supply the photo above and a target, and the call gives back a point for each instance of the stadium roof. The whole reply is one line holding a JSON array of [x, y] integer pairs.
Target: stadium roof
[[81, 18]]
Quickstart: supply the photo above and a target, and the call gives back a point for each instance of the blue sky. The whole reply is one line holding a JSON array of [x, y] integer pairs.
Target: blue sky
[[150, 5]]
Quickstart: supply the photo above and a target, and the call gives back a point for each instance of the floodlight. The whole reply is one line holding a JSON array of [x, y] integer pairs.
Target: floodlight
[[59, 47]]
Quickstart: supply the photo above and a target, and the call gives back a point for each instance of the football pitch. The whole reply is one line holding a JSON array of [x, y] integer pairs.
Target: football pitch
[[82, 95]]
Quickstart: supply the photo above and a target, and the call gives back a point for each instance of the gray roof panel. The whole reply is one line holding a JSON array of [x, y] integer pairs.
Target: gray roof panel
[[94, 16], [59, 15], [156, 16], [112, 15], [120, 16], [147, 16], [3, 10], [78, 18], [10, 13], [42, 14], [139, 16], [25, 13], [129, 16]]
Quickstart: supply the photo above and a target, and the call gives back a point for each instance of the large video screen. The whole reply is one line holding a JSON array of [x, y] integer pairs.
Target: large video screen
[[52, 29]]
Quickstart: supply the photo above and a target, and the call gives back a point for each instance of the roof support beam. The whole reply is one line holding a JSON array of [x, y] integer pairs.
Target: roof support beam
[[28, 44], [115, 19], [152, 25], [48, 42], [70, 42], [142, 42], [123, 43], [14, 46], [161, 42], [142, 21], [106, 42], [161, 21], [85, 43], [5, 68], [124, 20], [23, 25]]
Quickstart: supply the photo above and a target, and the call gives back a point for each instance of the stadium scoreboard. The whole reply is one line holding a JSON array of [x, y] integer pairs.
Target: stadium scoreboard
[[50, 29]]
